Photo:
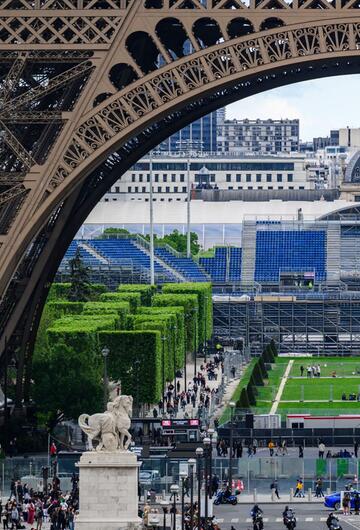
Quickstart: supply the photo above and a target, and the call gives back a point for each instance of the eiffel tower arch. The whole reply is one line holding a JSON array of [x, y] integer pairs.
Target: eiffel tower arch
[[89, 86]]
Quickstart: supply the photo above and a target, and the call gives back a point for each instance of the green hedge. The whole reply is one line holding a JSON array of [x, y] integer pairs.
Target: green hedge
[[121, 308], [61, 291], [146, 291], [180, 325], [134, 299], [144, 380], [205, 312], [190, 304]]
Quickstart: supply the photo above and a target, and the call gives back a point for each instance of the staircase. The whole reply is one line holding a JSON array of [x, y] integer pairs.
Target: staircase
[[333, 253], [144, 245], [93, 252], [248, 252]]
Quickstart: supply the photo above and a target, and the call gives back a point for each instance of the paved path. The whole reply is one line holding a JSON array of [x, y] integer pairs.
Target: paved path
[[281, 388]]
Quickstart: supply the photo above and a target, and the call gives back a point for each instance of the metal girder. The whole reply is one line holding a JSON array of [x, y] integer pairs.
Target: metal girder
[[13, 77], [56, 82], [10, 194], [17, 148], [30, 116], [7, 178]]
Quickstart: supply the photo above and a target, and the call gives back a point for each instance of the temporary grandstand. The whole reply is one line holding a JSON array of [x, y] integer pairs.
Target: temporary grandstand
[[294, 280]]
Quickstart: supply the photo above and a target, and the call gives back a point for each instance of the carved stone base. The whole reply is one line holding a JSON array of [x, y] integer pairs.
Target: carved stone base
[[108, 491]]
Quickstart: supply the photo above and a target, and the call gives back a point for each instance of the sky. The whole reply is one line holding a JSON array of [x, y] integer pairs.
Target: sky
[[320, 105]]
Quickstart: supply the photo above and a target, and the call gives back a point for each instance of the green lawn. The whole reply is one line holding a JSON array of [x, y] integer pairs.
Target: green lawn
[[343, 366], [315, 389], [268, 392], [323, 409]]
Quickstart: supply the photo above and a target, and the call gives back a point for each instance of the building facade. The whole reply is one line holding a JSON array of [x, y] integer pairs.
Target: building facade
[[213, 172], [200, 136], [258, 136]]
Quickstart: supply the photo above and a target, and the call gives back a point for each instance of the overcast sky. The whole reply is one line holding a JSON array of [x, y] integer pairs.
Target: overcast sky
[[320, 105]]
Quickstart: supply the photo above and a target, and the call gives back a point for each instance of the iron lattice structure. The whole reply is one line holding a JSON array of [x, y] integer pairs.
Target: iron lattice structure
[[89, 86]]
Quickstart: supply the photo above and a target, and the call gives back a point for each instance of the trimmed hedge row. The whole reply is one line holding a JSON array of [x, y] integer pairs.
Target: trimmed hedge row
[[134, 299], [121, 308], [142, 379], [205, 307], [146, 291], [60, 291], [191, 307]]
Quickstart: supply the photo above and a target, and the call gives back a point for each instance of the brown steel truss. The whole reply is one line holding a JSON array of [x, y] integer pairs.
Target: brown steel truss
[[89, 86]]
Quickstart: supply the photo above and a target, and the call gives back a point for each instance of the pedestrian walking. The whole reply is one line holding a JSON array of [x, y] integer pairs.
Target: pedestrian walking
[[299, 491], [301, 451], [346, 504], [356, 503], [319, 488], [254, 446], [274, 490], [321, 449], [271, 447], [302, 370]]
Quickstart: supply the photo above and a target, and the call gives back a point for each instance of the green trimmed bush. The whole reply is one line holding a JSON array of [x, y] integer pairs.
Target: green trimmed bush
[[205, 313], [143, 379], [190, 304], [61, 291], [257, 375], [146, 291], [263, 370], [121, 308], [180, 325], [243, 402], [134, 299], [251, 394]]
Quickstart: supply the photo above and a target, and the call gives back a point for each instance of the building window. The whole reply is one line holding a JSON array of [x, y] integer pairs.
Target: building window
[[162, 200], [228, 177], [258, 177], [173, 178], [156, 177], [248, 178], [133, 177], [270, 188], [301, 187], [129, 189], [230, 188], [290, 177], [291, 187], [159, 189], [184, 189], [144, 189], [269, 178], [140, 177], [182, 177], [117, 189], [148, 177], [250, 187], [280, 187], [238, 178], [176, 189], [240, 187], [167, 189], [164, 177], [136, 189], [260, 187], [279, 177]]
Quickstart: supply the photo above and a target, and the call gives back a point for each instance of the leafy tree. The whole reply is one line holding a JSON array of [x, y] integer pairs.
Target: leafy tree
[[273, 348], [251, 394], [262, 368], [257, 375], [179, 241], [80, 290], [243, 402], [113, 232], [67, 380]]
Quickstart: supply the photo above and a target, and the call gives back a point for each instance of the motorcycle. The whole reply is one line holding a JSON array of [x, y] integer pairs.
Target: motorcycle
[[258, 523], [221, 499], [335, 524], [290, 520]]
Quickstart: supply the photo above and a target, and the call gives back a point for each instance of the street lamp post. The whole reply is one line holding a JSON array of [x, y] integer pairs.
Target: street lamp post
[[105, 353], [199, 454], [195, 341], [183, 475], [137, 365], [207, 443], [164, 505], [192, 463], [210, 434], [232, 407], [163, 372], [174, 329], [174, 490]]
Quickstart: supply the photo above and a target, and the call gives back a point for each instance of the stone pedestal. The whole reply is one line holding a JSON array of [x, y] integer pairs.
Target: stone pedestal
[[108, 491]]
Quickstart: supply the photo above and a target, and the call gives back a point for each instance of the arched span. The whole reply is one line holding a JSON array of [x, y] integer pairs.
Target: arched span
[[138, 117]]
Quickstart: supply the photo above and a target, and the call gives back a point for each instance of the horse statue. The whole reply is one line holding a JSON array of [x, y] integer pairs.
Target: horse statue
[[110, 428]]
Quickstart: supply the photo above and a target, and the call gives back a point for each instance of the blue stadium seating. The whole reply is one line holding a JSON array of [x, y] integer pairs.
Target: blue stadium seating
[[289, 250], [185, 266], [216, 266], [235, 264], [224, 266], [88, 259], [116, 250]]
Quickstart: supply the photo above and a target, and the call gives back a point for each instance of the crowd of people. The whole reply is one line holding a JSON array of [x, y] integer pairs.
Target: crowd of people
[[35, 508]]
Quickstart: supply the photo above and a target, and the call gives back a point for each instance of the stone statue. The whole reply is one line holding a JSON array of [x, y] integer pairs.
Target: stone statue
[[110, 428]]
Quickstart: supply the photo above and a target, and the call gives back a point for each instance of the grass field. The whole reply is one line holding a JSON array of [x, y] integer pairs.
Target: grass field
[[319, 389], [343, 366]]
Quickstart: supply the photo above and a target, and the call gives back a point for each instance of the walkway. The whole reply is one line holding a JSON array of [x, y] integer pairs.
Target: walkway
[[281, 388]]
